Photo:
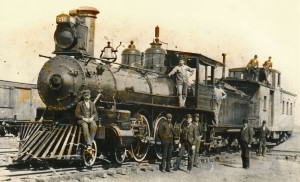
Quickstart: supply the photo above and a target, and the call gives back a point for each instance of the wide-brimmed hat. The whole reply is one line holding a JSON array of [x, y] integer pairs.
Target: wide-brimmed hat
[[188, 116], [169, 115], [196, 115]]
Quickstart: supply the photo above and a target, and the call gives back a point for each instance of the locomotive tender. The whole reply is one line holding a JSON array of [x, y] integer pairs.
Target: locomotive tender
[[133, 97]]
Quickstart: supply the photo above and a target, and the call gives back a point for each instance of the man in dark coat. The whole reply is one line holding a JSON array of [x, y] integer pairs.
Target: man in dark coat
[[199, 133], [263, 134], [187, 143], [166, 134], [245, 142], [86, 114]]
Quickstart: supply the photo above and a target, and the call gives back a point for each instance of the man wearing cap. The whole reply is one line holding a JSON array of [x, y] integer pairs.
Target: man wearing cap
[[267, 66], [187, 143], [245, 142], [199, 133], [263, 132], [252, 68], [86, 114], [268, 63], [218, 95], [166, 134], [183, 73]]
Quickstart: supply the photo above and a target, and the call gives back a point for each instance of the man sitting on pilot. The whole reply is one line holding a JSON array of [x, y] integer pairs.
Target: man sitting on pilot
[[86, 114]]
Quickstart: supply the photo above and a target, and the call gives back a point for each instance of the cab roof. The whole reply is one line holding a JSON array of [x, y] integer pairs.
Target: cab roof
[[204, 60]]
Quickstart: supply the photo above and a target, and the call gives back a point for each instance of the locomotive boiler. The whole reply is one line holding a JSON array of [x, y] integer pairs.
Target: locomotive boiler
[[131, 97]]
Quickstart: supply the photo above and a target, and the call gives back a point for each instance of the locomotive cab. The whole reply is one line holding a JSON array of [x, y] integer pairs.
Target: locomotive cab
[[203, 82]]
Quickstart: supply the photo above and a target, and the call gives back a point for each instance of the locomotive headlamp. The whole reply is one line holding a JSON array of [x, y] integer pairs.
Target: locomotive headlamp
[[65, 34]]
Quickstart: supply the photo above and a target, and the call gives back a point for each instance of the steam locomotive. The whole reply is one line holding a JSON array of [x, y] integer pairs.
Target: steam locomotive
[[133, 97]]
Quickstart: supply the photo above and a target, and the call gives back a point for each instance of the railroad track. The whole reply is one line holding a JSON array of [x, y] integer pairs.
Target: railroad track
[[8, 151], [285, 151], [79, 173], [290, 155], [98, 171], [103, 169], [65, 173]]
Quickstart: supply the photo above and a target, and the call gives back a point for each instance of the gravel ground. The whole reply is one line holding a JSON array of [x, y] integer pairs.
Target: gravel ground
[[225, 168]]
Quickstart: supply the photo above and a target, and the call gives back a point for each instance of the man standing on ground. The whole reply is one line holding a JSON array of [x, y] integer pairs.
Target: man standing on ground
[[182, 80], [263, 134], [187, 143], [199, 132], [245, 142], [166, 134]]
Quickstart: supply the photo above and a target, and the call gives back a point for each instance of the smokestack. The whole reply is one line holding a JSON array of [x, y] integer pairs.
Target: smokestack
[[87, 15], [224, 62]]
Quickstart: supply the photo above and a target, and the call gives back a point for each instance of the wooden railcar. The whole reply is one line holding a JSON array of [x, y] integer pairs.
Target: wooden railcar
[[18, 103]]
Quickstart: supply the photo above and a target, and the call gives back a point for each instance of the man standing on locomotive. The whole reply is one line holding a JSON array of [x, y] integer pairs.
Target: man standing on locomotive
[[245, 142], [252, 68], [87, 114], [199, 132], [182, 80], [218, 95], [263, 132], [187, 143], [166, 134]]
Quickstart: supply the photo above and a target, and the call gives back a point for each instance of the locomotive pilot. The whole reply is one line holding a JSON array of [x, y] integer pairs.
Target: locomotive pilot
[[183, 73], [86, 114], [166, 134], [252, 68], [187, 143], [199, 133]]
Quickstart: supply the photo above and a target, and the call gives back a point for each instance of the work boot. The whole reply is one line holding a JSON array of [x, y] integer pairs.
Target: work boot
[[176, 167], [163, 171], [168, 170]]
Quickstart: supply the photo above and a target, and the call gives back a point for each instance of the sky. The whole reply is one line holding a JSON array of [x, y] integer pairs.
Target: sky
[[239, 28]]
